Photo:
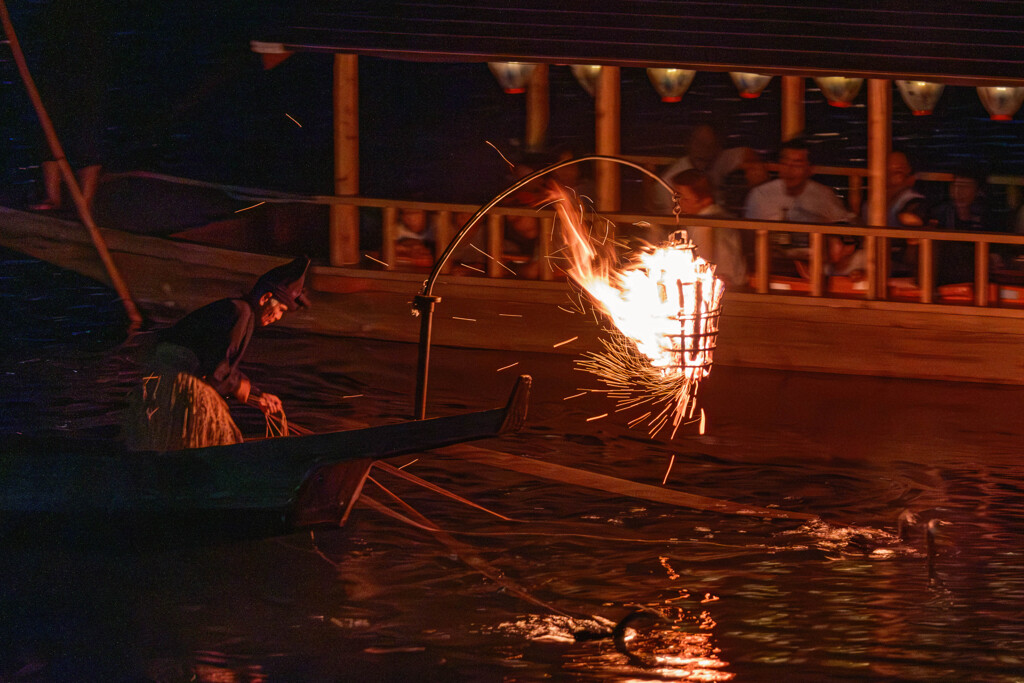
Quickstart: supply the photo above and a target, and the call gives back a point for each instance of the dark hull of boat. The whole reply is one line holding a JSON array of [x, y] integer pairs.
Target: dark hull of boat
[[270, 486]]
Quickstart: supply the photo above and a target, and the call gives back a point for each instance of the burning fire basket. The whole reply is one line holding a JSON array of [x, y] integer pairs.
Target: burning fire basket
[[692, 350], [665, 308]]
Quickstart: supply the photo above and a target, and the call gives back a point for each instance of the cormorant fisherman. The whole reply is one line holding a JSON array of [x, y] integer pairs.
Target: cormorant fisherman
[[180, 403]]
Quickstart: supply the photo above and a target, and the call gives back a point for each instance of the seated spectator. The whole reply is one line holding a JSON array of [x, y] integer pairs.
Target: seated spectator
[[705, 153], [521, 245], [795, 198], [905, 208], [966, 211], [415, 237], [732, 194], [720, 246]]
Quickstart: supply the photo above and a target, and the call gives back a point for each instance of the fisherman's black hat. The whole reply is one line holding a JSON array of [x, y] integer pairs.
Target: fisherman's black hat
[[286, 283]]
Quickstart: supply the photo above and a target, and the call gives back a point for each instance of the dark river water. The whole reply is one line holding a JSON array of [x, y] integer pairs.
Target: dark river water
[[745, 598]]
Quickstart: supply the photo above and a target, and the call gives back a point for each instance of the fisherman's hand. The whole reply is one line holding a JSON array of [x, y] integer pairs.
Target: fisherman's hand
[[270, 404]]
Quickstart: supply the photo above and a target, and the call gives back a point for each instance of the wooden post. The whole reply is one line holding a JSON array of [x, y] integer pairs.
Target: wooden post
[[817, 245], [538, 110], [926, 270], [495, 244], [981, 250], [879, 146], [344, 218], [547, 227], [389, 234], [762, 257], [792, 107], [606, 114], [443, 237]]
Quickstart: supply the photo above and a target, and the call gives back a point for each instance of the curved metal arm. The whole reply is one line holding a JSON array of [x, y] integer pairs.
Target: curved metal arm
[[423, 303], [428, 286]]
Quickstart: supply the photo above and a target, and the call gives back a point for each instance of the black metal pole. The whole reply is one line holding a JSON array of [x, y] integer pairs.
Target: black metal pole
[[424, 306]]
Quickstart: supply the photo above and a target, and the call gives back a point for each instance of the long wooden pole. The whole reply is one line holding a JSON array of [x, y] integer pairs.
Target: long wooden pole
[[607, 110], [538, 109], [344, 218], [66, 173], [792, 107], [879, 146]]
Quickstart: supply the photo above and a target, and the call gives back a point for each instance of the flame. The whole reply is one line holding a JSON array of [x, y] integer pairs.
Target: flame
[[665, 301]]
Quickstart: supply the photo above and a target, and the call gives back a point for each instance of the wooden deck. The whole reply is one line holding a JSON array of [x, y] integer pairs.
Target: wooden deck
[[781, 331]]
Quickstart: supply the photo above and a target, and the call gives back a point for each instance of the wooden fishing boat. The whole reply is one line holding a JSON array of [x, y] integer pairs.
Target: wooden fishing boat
[[268, 487], [969, 332]]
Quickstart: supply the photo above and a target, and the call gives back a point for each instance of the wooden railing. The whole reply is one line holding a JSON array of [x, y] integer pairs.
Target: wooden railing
[[876, 285]]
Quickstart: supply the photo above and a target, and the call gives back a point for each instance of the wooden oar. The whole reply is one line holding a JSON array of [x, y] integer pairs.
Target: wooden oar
[[623, 487]]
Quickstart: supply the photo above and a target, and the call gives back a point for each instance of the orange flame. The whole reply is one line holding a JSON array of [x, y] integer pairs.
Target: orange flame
[[665, 306], [667, 301]]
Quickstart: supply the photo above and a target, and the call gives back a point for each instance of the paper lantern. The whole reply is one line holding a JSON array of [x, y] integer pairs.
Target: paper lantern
[[839, 90], [671, 83], [749, 85], [587, 75], [1001, 102], [512, 76], [920, 96]]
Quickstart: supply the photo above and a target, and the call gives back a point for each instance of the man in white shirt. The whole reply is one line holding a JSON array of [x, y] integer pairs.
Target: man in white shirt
[[795, 198]]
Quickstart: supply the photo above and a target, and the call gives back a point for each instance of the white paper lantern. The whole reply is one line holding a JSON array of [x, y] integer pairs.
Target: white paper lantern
[[839, 90], [920, 96], [749, 85], [512, 76], [671, 84], [1001, 102], [587, 75]]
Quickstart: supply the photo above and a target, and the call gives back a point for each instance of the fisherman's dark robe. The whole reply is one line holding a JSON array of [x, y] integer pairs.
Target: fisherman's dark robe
[[180, 403]]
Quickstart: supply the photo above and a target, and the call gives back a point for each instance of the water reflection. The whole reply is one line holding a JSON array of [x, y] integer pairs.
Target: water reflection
[[746, 597]]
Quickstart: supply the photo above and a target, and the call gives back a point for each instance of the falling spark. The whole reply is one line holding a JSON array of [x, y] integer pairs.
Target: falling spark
[[293, 120], [582, 393], [702, 422], [567, 310], [472, 320], [510, 315], [664, 303], [353, 396], [637, 420], [377, 260], [508, 366], [466, 265], [250, 207], [482, 251], [510, 164], [413, 461], [597, 417], [670, 463], [563, 343]]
